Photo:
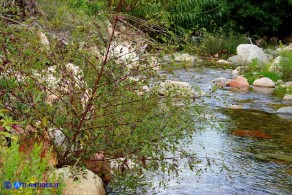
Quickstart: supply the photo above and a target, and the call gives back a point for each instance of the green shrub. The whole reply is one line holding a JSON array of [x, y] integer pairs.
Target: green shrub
[[221, 43], [28, 168], [254, 71], [31, 168], [286, 65]]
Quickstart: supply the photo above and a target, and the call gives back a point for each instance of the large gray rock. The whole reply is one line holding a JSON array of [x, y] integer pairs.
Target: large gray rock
[[264, 82], [249, 52], [285, 110], [80, 184]]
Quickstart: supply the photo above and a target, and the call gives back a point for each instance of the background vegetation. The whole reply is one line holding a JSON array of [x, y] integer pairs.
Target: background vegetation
[[260, 18]]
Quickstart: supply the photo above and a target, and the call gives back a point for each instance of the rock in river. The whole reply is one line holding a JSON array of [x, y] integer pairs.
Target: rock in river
[[285, 110], [264, 82], [179, 88], [248, 133], [239, 82], [287, 97]]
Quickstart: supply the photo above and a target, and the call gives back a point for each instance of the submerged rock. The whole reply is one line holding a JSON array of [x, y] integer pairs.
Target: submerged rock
[[264, 82], [276, 156], [248, 133], [282, 157], [285, 110]]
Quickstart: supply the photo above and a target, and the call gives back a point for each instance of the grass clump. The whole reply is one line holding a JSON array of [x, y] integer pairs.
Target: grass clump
[[286, 65], [254, 71], [223, 44]]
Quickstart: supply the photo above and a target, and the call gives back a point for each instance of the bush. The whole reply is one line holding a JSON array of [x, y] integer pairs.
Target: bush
[[30, 167], [286, 65], [221, 43], [254, 71], [15, 166], [90, 108]]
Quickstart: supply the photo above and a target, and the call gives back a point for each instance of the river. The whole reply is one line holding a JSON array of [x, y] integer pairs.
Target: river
[[239, 165]]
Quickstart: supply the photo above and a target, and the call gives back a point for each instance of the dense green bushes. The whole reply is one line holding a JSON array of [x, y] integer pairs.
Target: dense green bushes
[[260, 18]]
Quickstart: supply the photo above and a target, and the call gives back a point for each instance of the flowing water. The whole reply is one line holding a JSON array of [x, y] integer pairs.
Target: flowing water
[[257, 165]]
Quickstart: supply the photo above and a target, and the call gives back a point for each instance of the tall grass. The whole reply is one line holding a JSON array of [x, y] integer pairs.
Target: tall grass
[[286, 65]]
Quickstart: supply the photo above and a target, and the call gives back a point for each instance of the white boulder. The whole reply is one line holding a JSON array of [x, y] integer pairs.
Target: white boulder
[[184, 57], [84, 183], [223, 62], [285, 110], [264, 82], [124, 53], [249, 52], [287, 97]]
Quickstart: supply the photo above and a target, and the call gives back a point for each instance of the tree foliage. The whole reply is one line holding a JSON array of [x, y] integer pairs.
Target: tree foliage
[[270, 18]]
